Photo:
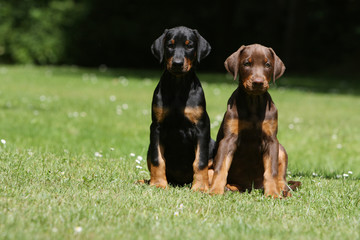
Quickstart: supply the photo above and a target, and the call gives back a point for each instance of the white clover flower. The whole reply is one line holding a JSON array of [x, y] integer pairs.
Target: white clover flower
[[350, 172], [181, 206], [339, 146], [118, 111], [132, 154], [176, 213], [97, 154], [140, 158], [85, 77], [345, 175], [112, 149], [62, 173], [297, 120], [147, 81], [138, 161], [314, 174], [216, 91], [42, 98], [291, 126], [334, 137], [78, 229], [3, 141], [139, 167], [125, 106], [93, 78], [214, 124], [3, 70], [338, 176], [124, 81], [112, 98]]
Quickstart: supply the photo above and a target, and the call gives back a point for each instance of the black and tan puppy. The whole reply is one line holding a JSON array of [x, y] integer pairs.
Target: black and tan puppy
[[248, 152], [180, 129]]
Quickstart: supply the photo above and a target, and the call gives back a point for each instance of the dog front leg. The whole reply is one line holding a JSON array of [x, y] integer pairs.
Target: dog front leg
[[200, 166], [223, 160], [270, 161], [156, 160]]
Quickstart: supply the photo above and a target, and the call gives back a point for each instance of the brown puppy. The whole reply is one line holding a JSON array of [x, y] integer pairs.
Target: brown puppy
[[248, 152]]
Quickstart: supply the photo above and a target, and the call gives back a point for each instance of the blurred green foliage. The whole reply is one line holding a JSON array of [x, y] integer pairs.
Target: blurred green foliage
[[306, 34], [34, 31]]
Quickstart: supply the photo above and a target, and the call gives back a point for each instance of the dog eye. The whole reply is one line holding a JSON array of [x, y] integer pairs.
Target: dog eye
[[170, 45], [247, 64], [189, 46], [268, 65]]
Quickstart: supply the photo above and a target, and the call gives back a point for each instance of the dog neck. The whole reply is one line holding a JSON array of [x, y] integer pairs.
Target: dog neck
[[179, 81], [177, 88], [254, 105]]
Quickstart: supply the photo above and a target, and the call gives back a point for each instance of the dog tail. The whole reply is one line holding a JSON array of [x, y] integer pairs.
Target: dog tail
[[293, 185]]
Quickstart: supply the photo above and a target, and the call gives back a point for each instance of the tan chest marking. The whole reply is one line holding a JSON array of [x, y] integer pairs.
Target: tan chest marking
[[193, 113], [235, 126], [160, 113], [269, 127]]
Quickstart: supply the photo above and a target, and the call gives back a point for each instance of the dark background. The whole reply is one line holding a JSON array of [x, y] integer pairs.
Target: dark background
[[308, 35]]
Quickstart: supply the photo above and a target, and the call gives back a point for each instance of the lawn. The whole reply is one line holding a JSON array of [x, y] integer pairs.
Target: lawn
[[74, 141]]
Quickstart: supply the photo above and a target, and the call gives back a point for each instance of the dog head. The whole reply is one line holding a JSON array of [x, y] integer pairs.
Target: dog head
[[256, 65], [180, 48]]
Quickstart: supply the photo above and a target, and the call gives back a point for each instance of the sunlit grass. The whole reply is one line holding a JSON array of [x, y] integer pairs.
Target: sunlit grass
[[74, 141]]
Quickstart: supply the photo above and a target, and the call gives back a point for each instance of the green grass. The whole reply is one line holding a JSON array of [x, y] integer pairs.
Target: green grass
[[67, 160]]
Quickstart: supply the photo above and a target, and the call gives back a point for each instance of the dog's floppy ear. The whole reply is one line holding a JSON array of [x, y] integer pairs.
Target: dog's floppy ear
[[232, 62], [279, 67], [157, 48], [203, 47]]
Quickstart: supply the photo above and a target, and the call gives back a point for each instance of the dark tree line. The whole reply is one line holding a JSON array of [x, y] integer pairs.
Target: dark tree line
[[306, 34]]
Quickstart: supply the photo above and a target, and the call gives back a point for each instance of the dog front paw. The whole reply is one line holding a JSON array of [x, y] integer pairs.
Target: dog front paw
[[217, 190], [159, 183], [201, 187], [142, 181], [273, 194]]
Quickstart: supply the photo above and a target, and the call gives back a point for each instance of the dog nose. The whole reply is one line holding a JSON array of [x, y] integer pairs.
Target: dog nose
[[178, 63], [258, 82]]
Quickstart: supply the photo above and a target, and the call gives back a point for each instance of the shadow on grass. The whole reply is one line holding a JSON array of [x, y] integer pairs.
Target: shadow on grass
[[322, 84], [319, 83]]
